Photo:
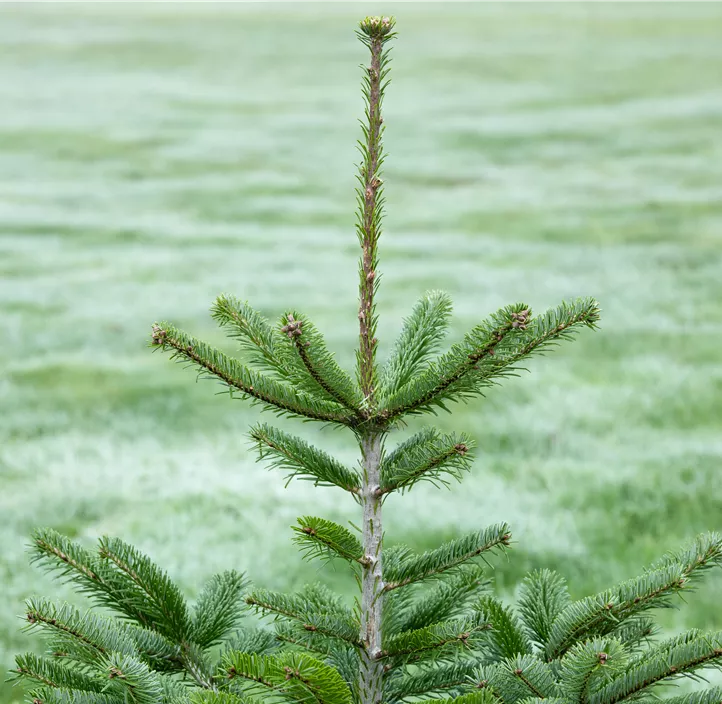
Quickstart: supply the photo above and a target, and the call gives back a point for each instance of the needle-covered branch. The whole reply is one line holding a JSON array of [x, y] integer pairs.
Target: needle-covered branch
[[253, 640], [293, 351], [702, 554], [57, 553], [507, 638], [318, 537], [489, 352], [297, 677], [636, 633], [682, 655], [413, 608], [257, 337], [55, 673], [47, 695], [87, 638], [436, 640], [713, 695], [293, 633], [311, 366], [420, 337], [343, 656], [542, 597], [426, 456], [603, 613], [589, 665], [132, 679], [515, 679], [276, 396], [119, 577], [216, 611], [479, 697], [147, 587], [403, 567], [409, 684], [209, 697], [331, 619], [83, 637], [299, 459]]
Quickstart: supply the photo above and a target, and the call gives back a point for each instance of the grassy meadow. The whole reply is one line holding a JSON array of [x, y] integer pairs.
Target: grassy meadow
[[154, 156]]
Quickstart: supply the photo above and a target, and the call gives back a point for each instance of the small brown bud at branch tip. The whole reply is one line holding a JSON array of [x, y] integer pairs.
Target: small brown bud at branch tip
[[158, 335]]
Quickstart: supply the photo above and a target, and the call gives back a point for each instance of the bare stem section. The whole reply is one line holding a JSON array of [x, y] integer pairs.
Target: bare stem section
[[371, 674], [374, 32]]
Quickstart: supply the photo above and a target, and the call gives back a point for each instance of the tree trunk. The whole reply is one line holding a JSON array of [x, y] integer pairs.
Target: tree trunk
[[371, 673]]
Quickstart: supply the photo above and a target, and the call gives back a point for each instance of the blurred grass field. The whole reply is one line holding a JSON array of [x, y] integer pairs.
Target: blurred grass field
[[153, 156]]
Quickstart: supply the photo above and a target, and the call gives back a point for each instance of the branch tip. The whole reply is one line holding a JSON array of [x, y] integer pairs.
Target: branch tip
[[158, 335], [377, 27]]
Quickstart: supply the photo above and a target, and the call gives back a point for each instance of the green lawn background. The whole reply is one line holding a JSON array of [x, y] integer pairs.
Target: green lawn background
[[153, 156]]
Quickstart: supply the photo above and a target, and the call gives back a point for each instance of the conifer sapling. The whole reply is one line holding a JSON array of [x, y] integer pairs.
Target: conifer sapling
[[425, 625]]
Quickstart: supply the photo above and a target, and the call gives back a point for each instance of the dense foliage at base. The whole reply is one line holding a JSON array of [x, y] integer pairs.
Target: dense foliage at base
[[448, 636]]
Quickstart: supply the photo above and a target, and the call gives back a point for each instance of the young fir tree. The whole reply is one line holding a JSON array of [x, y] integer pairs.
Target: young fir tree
[[426, 626]]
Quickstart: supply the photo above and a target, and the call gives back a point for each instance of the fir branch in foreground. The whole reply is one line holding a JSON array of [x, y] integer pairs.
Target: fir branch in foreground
[[420, 337], [507, 638], [516, 679], [481, 696], [407, 568], [428, 456], [329, 620], [49, 695], [431, 640], [343, 656], [297, 676], [295, 352], [132, 679], [85, 637], [254, 333], [217, 610], [253, 640], [603, 613], [278, 397], [92, 576], [160, 598], [52, 673], [403, 684], [320, 373], [58, 553], [322, 538], [489, 351], [542, 597], [681, 655], [445, 376], [410, 609], [589, 665], [208, 697], [295, 456], [635, 633], [703, 553], [713, 695]]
